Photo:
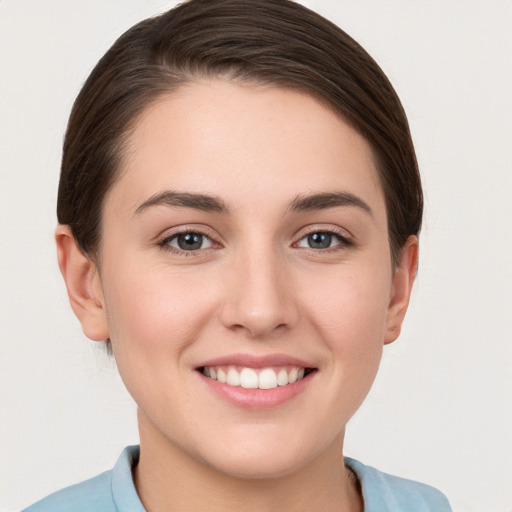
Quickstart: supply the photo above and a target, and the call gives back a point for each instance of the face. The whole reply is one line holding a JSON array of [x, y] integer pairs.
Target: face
[[245, 276]]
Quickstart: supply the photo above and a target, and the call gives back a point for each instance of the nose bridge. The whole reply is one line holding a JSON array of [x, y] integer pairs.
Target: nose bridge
[[258, 299]]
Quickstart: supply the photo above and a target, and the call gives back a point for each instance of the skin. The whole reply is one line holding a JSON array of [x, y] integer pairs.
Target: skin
[[257, 288]]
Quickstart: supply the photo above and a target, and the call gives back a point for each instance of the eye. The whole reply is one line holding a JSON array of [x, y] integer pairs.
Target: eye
[[188, 241], [322, 240]]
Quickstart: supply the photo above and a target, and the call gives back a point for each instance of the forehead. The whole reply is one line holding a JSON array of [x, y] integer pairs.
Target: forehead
[[241, 141]]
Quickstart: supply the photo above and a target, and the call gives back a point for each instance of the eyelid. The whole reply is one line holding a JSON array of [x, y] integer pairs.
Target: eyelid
[[163, 239], [346, 238], [200, 229], [174, 238], [344, 234]]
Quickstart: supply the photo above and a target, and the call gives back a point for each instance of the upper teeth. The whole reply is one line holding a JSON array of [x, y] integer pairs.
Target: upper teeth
[[263, 378]]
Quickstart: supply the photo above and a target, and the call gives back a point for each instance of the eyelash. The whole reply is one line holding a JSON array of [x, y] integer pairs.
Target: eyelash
[[164, 243], [344, 242]]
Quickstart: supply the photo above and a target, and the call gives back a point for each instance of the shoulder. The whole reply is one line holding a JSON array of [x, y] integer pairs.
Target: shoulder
[[112, 491], [92, 495], [383, 492]]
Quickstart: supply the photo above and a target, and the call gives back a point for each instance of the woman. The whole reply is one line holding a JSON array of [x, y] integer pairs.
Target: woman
[[238, 209]]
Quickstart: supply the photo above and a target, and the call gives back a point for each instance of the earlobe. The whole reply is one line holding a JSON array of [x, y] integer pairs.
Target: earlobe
[[83, 284], [402, 281]]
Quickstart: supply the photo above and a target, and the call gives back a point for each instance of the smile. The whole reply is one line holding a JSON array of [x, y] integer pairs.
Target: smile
[[257, 381], [255, 378]]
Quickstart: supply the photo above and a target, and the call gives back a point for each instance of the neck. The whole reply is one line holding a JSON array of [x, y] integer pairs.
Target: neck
[[167, 479]]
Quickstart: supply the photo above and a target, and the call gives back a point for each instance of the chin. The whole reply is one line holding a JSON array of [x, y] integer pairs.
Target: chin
[[258, 467], [263, 458]]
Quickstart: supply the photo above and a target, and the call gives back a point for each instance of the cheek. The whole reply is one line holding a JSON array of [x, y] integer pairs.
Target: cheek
[[153, 319], [154, 311], [350, 306], [350, 315]]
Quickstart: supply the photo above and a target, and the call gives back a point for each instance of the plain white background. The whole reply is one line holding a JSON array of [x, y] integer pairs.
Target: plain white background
[[440, 410]]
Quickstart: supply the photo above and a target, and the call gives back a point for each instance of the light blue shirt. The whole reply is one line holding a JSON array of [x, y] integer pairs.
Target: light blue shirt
[[114, 491]]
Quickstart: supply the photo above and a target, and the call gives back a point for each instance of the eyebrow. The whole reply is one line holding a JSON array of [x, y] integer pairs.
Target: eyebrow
[[206, 203], [324, 200], [184, 199]]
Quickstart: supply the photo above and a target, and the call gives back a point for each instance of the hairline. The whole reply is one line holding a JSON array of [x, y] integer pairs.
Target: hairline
[[189, 78]]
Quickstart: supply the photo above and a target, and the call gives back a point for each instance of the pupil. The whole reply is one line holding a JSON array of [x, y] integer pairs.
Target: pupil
[[320, 240], [190, 241]]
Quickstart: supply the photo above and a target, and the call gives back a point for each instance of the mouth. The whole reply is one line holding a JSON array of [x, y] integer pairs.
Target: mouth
[[265, 378], [256, 381]]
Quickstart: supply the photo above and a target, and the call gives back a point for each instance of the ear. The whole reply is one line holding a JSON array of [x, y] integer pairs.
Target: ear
[[83, 284], [401, 287]]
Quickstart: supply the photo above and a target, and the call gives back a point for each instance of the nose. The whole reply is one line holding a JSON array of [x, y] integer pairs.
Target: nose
[[259, 296]]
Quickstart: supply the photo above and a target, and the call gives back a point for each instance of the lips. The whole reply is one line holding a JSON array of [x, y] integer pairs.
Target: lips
[[256, 381]]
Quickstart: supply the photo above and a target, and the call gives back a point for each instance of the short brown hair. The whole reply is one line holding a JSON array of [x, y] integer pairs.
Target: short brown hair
[[276, 42]]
